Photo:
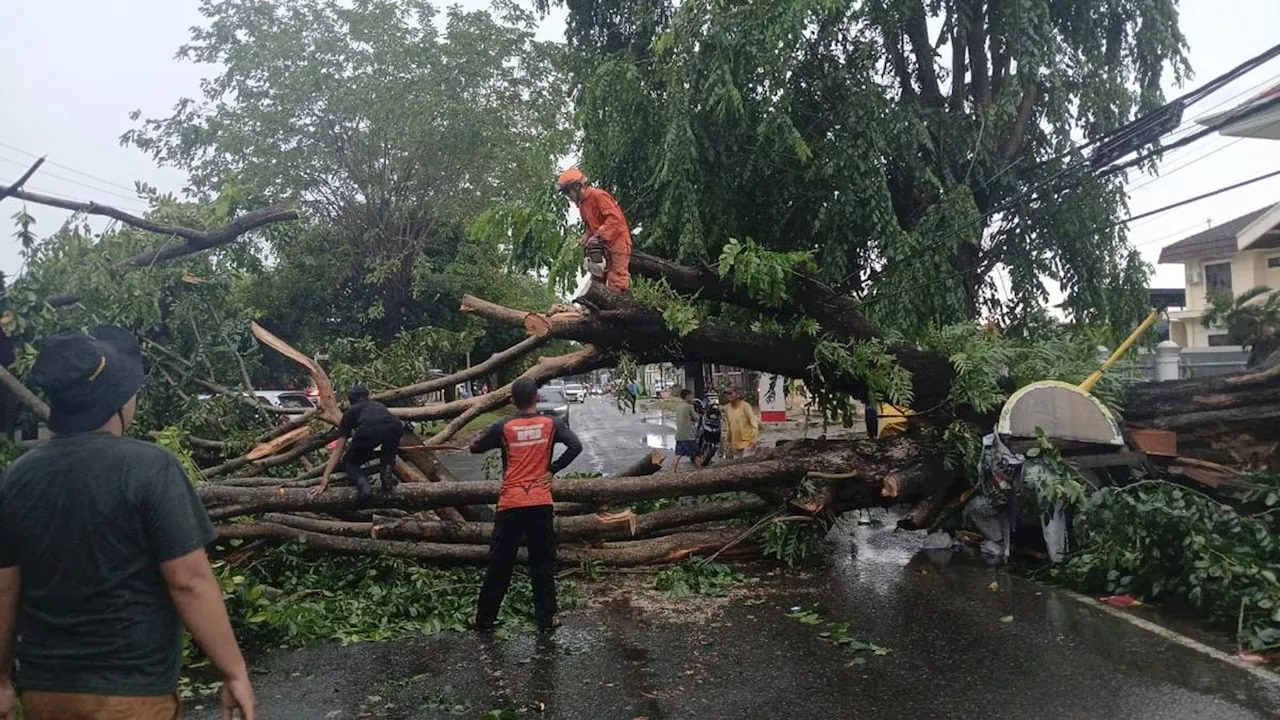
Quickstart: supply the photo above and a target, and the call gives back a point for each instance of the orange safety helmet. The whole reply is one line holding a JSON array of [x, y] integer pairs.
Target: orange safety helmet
[[572, 176]]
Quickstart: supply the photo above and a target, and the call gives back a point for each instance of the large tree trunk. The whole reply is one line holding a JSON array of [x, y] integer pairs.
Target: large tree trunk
[[1233, 419], [652, 551], [860, 473]]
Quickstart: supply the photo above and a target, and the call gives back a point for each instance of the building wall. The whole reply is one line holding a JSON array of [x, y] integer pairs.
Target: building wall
[[1248, 270]]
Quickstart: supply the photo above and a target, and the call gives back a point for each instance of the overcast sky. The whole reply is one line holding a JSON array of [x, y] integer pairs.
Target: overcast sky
[[78, 67]]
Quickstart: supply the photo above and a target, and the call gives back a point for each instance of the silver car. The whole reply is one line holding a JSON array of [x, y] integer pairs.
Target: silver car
[[552, 401]]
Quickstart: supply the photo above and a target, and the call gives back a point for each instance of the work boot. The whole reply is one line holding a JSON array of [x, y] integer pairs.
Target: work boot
[[388, 478], [549, 625], [363, 491]]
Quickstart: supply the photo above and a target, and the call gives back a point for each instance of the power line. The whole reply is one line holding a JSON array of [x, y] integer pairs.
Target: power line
[[1197, 198], [1187, 164], [69, 168], [73, 181], [1172, 206]]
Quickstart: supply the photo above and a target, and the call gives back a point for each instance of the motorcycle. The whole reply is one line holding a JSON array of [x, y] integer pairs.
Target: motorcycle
[[707, 430]]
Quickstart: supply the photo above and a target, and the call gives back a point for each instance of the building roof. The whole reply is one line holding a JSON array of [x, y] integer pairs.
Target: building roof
[[1217, 241]]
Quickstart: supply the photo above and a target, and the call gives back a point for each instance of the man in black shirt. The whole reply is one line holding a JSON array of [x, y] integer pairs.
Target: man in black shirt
[[102, 557], [371, 430]]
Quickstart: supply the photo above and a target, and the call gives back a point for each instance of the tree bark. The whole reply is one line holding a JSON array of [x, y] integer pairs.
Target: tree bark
[[568, 528], [647, 465], [623, 322], [666, 549], [866, 473]]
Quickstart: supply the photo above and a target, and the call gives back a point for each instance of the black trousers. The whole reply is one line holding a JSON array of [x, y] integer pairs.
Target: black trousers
[[366, 443], [536, 526]]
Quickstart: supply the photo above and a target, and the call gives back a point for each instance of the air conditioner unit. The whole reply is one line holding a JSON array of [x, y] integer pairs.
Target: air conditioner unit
[[1195, 276]]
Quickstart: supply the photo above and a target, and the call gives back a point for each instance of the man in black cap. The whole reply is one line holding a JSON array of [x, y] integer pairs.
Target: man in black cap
[[102, 557], [371, 430]]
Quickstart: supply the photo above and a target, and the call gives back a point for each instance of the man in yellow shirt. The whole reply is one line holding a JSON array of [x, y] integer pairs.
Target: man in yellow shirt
[[743, 425]]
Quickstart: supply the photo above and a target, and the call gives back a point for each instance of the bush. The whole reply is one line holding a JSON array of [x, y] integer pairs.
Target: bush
[[1159, 541]]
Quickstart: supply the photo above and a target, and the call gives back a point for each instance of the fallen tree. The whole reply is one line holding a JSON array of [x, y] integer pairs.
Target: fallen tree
[[432, 507]]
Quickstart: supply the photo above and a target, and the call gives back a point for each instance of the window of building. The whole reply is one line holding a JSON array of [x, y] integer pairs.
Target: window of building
[[1218, 340], [1273, 262], [1217, 277]]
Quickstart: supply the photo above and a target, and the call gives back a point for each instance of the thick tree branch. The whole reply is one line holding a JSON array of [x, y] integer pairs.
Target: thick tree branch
[[996, 47], [958, 66], [28, 398], [623, 322], [917, 29], [978, 55], [16, 186], [836, 313], [1013, 141], [195, 240], [495, 361]]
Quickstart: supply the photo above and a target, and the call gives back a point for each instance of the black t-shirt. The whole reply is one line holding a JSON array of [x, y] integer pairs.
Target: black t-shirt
[[366, 414], [88, 519]]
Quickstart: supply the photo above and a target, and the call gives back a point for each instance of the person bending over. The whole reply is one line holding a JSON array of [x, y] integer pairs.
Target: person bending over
[[527, 441], [367, 429]]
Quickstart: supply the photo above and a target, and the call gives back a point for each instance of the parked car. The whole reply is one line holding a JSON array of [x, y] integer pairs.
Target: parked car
[[287, 399], [551, 401], [574, 392]]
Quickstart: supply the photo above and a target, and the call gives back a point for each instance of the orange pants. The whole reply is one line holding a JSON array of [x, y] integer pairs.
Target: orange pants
[[39, 705], [618, 275]]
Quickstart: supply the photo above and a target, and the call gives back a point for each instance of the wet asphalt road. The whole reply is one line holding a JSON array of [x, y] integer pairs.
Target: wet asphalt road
[[951, 655]]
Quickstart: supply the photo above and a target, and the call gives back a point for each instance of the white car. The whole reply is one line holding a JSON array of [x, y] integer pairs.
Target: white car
[[574, 392], [287, 399]]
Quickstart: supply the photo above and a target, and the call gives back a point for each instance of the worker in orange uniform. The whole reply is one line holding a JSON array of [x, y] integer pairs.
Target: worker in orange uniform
[[605, 224]]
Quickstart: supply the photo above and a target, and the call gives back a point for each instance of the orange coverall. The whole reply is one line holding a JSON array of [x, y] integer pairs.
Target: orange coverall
[[603, 217]]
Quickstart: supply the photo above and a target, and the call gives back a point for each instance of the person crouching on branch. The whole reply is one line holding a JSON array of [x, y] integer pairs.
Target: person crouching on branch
[[527, 441], [102, 554], [367, 429], [607, 228]]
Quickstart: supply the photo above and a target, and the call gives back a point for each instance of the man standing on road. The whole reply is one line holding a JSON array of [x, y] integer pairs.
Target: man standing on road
[[744, 426], [686, 431], [102, 557], [527, 441], [633, 394], [372, 431], [606, 225]]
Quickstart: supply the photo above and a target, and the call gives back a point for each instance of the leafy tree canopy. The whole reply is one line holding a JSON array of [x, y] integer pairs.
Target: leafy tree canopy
[[393, 126], [889, 141]]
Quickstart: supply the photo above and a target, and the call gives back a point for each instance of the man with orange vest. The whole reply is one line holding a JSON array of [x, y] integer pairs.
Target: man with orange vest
[[605, 223], [525, 512]]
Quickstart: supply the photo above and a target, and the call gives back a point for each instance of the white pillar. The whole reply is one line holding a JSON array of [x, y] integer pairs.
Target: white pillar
[[1167, 360]]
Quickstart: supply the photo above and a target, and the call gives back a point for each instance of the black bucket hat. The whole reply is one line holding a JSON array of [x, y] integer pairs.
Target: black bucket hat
[[88, 377]]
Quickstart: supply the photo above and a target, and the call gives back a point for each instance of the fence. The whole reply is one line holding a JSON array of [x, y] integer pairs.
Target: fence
[[1190, 362]]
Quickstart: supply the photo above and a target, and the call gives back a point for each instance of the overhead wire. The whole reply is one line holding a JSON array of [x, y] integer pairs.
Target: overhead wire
[[1127, 133], [68, 168], [1110, 226]]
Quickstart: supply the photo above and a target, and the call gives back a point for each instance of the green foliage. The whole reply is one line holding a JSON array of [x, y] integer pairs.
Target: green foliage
[[696, 576], [792, 543], [410, 358], [679, 312], [838, 634], [1160, 541], [395, 126], [1061, 483], [810, 127], [287, 596], [1251, 316], [174, 440], [765, 274]]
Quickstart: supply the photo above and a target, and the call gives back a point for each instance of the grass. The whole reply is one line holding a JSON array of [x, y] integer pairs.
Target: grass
[[478, 423]]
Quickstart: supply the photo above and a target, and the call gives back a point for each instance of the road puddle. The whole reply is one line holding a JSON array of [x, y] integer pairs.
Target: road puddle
[[660, 441]]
